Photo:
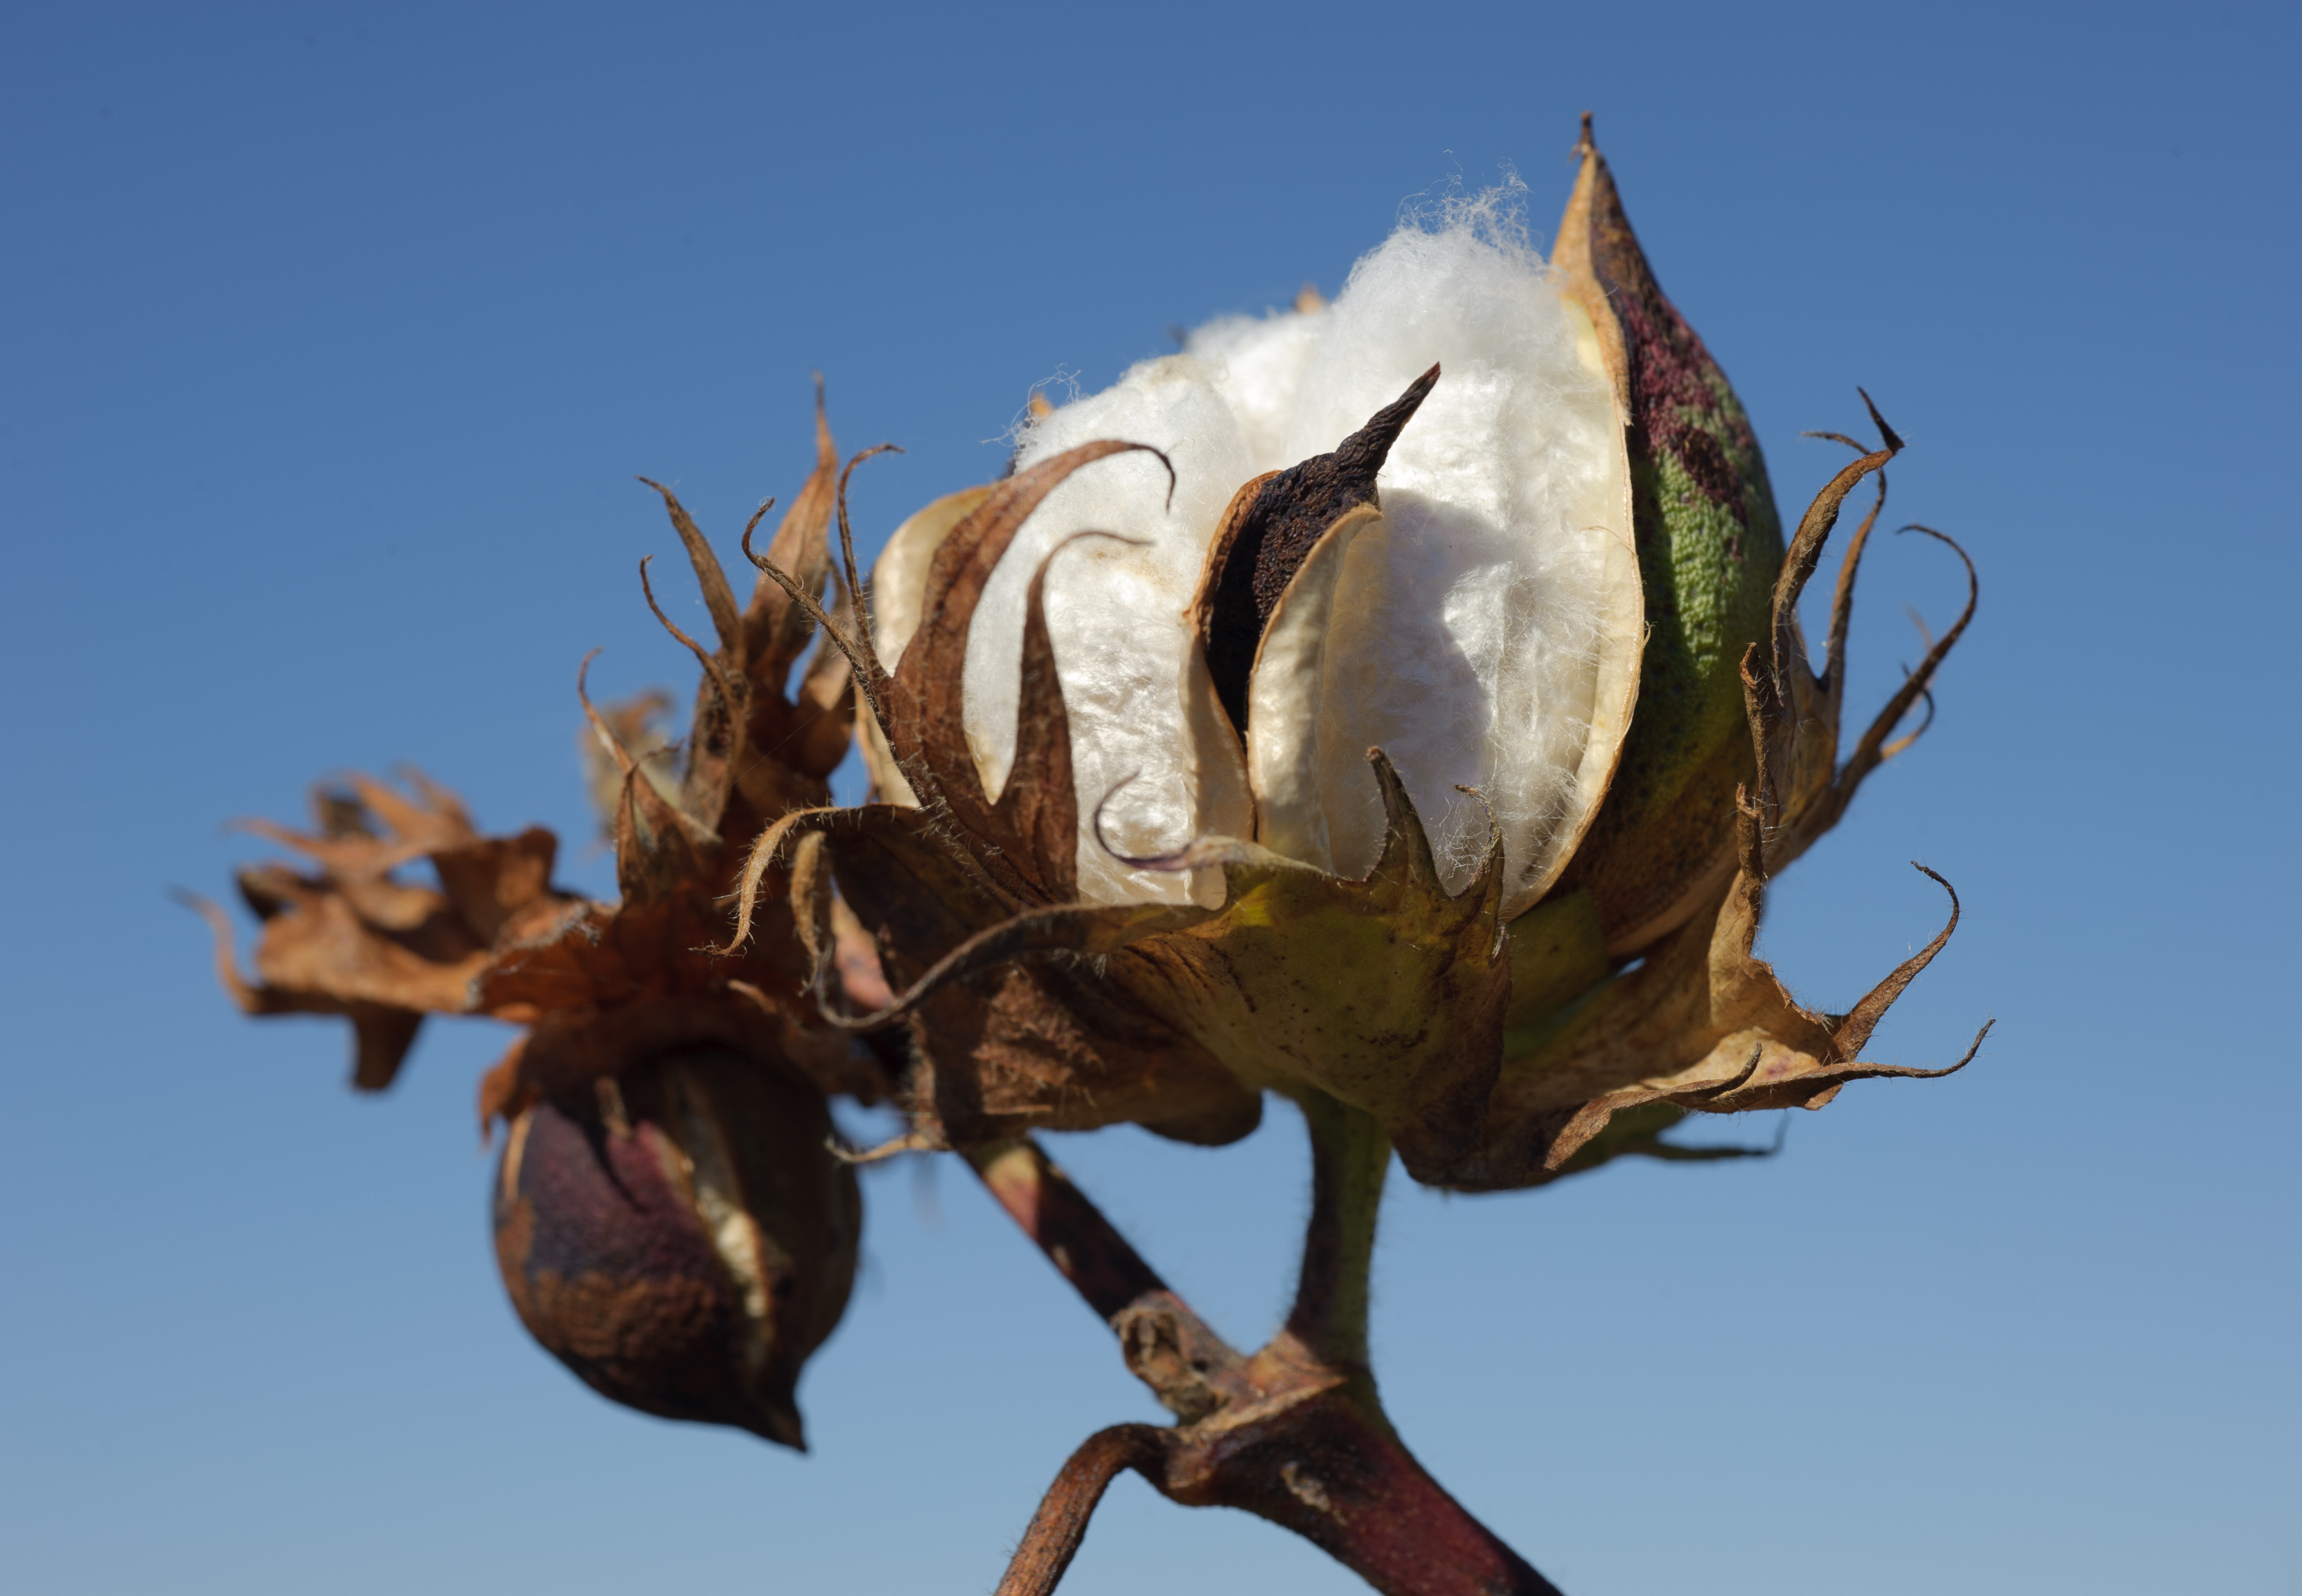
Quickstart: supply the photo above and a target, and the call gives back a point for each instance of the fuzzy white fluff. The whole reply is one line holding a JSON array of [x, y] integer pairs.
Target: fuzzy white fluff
[[1463, 638], [1258, 363]]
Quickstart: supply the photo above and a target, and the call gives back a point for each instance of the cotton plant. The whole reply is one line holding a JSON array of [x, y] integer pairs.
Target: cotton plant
[[1398, 704]]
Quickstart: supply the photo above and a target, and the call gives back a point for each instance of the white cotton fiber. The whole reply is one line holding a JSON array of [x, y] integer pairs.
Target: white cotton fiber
[[1466, 643], [1464, 637], [1258, 363], [1117, 615]]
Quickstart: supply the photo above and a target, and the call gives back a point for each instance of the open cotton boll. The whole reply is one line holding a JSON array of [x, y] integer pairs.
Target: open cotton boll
[[1258, 364], [1116, 617], [1467, 628]]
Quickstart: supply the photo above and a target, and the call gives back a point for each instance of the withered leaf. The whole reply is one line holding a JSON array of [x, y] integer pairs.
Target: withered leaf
[[355, 941]]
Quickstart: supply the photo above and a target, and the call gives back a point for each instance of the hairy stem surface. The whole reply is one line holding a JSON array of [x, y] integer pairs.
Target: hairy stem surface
[[1349, 1156], [1056, 1530]]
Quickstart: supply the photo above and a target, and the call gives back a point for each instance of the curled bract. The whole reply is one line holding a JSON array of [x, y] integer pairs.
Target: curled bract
[[1700, 1023]]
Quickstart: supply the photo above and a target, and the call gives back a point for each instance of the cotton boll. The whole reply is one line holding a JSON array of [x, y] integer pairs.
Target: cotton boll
[[1466, 637], [1258, 363], [1116, 615], [1462, 635]]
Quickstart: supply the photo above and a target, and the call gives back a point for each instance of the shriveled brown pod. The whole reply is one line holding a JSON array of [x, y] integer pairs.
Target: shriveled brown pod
[[682, 1237]]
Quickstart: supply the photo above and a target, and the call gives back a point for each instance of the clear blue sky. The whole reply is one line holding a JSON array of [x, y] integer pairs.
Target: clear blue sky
[[330, 340]]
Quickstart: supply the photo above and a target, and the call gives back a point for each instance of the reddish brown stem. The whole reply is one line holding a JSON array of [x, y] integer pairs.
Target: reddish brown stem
[[1072, 1232], [1056, 1530], [1340, 1479], [1293, 1433], [1170, 1348]]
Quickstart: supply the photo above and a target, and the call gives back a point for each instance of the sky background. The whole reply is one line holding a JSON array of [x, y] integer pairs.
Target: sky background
[[331, 339]]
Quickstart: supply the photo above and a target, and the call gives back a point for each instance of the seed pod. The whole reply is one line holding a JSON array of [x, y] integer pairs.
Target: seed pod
[[1709, 544], [683, 1238]]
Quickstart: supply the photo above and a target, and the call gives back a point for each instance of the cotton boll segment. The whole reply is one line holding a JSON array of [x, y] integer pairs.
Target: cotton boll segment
[[899, 589], [1468, 635], [1115, 616]]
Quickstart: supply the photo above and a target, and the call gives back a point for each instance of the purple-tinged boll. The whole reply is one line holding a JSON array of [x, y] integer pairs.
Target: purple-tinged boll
[[683, 1238]]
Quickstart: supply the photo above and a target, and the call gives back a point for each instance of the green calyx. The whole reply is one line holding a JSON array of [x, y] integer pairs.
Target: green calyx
[[1709, 545]]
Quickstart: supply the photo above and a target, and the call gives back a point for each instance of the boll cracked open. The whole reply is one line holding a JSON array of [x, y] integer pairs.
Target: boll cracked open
[[1401, 697]]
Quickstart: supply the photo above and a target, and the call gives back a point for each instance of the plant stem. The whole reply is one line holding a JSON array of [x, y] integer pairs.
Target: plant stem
[[1072, 1231], [1349, 1156], [1191, 1369], [1293, 1433], [1053, 1540]]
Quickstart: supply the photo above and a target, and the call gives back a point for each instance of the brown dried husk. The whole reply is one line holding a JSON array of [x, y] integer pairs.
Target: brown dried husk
[[1043, 1045], [671, 1220], [684, 1241], [349, 938]]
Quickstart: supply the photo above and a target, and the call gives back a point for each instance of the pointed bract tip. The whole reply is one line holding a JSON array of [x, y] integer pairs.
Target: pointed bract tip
[[1892, 442], [1369, 447]]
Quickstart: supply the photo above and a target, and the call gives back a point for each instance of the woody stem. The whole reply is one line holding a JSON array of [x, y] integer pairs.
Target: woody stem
[[1293, 1433], [1188, 1367], [1060, 1524]]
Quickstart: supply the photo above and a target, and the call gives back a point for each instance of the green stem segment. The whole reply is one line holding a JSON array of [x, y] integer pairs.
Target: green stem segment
[[1349, 1156]]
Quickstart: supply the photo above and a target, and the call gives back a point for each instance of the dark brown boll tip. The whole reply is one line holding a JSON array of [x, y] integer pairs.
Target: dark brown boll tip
[[1369, 448], [1291, 512], [1304, 500]]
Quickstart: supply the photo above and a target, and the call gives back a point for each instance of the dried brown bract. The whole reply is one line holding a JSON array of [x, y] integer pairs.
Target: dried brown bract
[[671, 1220], [347, 937]]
